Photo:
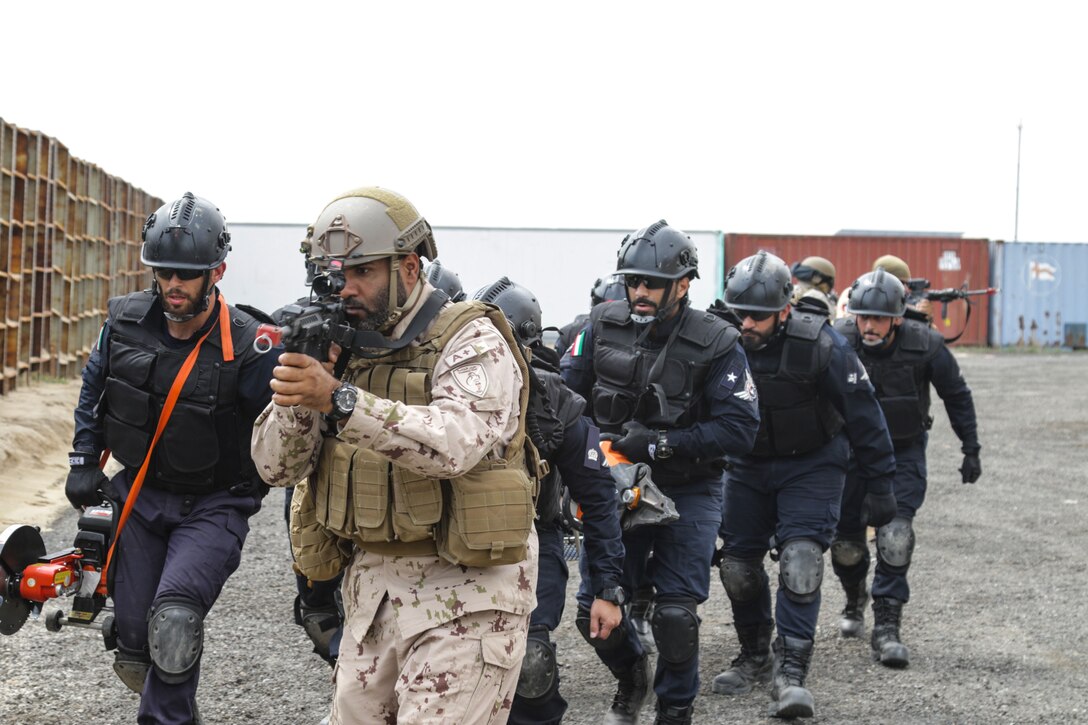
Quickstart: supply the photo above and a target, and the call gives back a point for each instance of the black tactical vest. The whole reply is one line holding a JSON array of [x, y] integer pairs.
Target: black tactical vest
[[900, 380], [205, 445], [628, 387], [795, 418], [553, 408]]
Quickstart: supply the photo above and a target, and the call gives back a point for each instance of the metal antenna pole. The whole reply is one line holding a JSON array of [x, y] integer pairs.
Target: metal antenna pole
[[1016, 223]]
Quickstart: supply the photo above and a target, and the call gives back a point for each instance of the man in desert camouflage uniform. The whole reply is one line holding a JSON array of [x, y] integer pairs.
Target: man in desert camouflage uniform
[[435, 620]]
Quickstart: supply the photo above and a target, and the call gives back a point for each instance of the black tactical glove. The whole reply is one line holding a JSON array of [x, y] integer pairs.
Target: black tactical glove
[[971, 468], [85, 480], [636, 442], [878, 509]]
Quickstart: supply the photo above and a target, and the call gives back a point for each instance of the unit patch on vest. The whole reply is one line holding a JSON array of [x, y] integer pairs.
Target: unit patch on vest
[[748, 392], [472, 378]]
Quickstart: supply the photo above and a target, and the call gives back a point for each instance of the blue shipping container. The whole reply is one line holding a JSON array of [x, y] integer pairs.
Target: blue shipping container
[[1043, 300]]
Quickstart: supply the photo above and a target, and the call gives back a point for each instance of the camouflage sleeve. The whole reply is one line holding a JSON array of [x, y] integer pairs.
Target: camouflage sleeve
[[286, 443], [474, 409]]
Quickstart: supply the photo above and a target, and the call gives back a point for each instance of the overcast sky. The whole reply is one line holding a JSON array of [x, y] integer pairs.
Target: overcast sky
[[782, 117]]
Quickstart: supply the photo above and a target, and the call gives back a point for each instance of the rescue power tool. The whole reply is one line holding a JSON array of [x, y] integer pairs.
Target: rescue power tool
[[641, 500], [31, 576]]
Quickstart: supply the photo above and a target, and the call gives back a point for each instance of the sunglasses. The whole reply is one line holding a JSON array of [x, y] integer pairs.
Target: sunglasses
[[165, 273], [634, 281], [754, 316]]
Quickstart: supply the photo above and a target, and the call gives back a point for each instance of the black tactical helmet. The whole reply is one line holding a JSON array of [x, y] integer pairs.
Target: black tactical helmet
[[444, 279], [760, 283], [608, 288], [877, 294], [189, 233], [518, 304], [658, 251]]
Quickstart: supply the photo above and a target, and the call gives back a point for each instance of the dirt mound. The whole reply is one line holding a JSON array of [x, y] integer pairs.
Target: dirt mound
[[35, 436]]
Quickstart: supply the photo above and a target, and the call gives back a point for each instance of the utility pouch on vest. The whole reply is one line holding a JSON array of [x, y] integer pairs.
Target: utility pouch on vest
[[332, 488], [128, 416], [370, 496], [490, 515], [417, 504], [319, 555]]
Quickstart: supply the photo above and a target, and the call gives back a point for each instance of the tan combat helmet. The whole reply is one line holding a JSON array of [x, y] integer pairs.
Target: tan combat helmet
[[894, 266], [823, 272], [365, 225]]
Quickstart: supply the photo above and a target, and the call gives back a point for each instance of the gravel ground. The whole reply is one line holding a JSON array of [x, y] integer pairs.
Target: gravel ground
[[995, 626]]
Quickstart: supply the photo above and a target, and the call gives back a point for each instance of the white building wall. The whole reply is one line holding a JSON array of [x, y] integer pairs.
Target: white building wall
[[265, 268]]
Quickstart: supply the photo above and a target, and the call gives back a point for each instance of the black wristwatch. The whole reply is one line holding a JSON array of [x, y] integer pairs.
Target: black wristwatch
[[663, 449], [616, 595], [343, 402]]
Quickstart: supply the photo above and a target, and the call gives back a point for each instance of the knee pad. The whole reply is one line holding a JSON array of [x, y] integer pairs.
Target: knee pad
[[615, 639], [676, 631], [743, 579], [175, 638], [848, 552], [539, 670], [321, 625], [895, 545], [131, 667], [801, 570]]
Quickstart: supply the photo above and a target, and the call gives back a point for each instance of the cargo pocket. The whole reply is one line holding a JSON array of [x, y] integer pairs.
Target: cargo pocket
[[370, 497], [318, 554], [490, 517], [417, 504], [332, 492]]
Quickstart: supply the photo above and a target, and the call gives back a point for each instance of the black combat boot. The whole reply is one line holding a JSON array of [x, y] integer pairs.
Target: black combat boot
[[791, 659], [752, 666], [852, 623], [674, 714], [887, 649], [634, 687]]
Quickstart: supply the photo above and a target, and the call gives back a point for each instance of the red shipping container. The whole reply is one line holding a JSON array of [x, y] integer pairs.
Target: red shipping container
[[945, 261]]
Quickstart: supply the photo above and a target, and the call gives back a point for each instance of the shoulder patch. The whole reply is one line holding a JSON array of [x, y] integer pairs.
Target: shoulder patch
[[749, 391], [735, 373], [472, 378], [475, 349]]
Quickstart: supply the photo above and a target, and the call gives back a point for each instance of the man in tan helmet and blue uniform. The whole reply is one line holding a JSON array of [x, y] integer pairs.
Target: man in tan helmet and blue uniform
[[416, 478]]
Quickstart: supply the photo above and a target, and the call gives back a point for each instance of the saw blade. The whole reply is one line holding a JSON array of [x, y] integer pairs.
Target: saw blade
[[20, 545]]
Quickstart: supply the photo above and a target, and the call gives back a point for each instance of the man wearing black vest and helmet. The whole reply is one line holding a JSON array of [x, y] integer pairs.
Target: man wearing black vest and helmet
[[570, 443], [816, 404], [184, 535], [668, 383], [903, 356]]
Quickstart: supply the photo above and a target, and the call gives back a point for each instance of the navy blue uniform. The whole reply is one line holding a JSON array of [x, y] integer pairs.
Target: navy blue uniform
[[928, 361], [791, 496], [176, 545], [721, 419], [570, 443]]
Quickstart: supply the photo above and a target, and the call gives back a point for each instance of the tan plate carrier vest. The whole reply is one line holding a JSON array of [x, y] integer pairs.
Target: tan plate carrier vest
[[358, 496]]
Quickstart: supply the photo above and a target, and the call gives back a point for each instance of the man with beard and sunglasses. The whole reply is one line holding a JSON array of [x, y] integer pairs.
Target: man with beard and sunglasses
[[410, 445], [190, 508], [903, 356], [670, 385], [815, 404]]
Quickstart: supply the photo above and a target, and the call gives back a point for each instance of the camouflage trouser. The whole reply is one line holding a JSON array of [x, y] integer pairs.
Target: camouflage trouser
[[464, 671]]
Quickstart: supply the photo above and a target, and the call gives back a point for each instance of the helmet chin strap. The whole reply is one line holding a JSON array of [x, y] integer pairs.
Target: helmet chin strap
[[882, 342], [396, 312], [663, 311]]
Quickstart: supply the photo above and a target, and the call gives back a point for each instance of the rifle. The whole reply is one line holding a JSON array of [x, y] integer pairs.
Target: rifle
[[309, 328], [944, 296]]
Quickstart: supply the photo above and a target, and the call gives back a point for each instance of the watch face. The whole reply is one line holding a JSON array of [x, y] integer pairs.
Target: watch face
[[345, 399]]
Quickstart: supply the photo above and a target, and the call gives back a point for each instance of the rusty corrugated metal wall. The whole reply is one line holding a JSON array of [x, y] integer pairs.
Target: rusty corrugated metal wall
[[69, 240], [944, 261]]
